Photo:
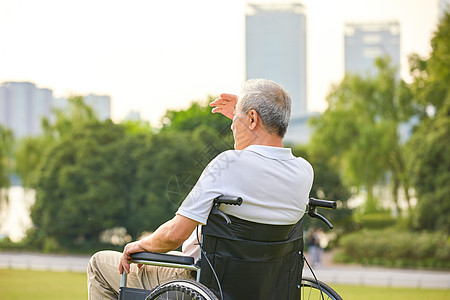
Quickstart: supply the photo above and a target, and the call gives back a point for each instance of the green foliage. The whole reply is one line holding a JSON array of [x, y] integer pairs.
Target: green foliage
[[327, 185], [83, 185], [137, 127], [327, 180], [94, 175], [30, 151], [6, 145], [28, 155], [430, 165], [75, 114], [376, 221], [429, 153], [395, 248], [431, 77], [198, 114], [358, 133]]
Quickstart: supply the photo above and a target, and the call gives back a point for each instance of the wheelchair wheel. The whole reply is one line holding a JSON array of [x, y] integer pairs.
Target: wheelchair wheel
[[310, 290], [182, 289]]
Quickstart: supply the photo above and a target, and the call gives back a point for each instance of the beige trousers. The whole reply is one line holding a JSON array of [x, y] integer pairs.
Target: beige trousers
[[104, 277]]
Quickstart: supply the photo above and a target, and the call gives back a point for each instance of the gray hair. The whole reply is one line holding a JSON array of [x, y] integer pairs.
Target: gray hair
[[270, 101]]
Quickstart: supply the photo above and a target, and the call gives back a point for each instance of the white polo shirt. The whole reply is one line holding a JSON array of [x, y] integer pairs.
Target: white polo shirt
[[273, 183]]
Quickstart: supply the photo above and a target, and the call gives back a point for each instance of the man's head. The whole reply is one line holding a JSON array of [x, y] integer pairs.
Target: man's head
[[263, 111]]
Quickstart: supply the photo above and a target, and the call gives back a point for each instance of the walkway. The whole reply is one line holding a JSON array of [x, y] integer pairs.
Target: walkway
[[329, 272]]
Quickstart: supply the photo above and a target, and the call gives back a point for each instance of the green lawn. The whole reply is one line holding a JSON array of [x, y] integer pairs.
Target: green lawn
[[22, 284], [36, 285], [356, 292]]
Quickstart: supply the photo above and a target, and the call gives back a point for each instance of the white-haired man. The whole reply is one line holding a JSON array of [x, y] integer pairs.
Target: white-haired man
[[274, 184]]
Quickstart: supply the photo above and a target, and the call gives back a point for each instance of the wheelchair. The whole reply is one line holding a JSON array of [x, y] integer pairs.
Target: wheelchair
[[239, 259]]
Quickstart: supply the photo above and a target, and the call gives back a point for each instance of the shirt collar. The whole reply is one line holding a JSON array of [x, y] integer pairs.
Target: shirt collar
[[271, 152]]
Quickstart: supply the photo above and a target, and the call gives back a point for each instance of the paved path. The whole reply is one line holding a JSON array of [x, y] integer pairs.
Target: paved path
[[382, 277], [35, 261], [329, 273]]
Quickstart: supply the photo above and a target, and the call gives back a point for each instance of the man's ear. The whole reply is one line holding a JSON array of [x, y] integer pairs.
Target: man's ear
[[253, 119]]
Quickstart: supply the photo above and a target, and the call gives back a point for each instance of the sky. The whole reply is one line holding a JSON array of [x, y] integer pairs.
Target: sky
[[150, 56]]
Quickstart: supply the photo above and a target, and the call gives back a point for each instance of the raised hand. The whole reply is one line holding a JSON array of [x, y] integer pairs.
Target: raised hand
[[225, 105]]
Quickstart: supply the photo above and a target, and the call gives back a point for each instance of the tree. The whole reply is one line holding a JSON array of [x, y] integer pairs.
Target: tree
[[430, 165], [198, 114], [75, 114], [30, 150], [359, 130], [429, 153], [28, 155], [171, 161], [6, 145], [327, 185], [97, 175], [84, 185]]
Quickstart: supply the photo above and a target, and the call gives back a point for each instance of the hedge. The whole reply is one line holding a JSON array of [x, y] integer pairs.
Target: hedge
[[395, 248]]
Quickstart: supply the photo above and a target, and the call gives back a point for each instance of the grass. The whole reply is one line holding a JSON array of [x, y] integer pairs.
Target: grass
[[353, 292], [36, 285]]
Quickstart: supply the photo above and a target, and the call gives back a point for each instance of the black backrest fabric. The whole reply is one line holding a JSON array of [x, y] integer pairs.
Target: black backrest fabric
[[252, 260]]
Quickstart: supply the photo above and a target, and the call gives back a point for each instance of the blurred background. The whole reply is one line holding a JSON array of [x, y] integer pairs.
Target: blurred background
[[105, 124]]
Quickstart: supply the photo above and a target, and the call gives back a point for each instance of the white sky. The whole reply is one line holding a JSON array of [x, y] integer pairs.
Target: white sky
[[153, 55]]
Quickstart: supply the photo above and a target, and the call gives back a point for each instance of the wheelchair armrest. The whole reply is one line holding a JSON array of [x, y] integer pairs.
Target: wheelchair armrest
[[163, 257]]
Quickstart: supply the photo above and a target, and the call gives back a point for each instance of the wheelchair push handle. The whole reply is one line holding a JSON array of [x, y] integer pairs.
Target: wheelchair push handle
[[313, 203], [230, 200], [322, 203]]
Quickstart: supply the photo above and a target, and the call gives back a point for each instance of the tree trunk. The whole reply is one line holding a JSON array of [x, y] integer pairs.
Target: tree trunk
[[371, 203]]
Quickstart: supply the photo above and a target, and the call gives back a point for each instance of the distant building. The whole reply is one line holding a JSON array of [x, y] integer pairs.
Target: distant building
[[23, 105], [133, 116], [299, 132], [366, 42], [101, 104], [443, 6], [275, 38]]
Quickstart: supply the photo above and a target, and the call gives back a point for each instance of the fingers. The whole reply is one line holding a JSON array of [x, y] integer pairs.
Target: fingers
[[225, 105], [225, 99], [124, 265], [220, 103], [229, 97], [216, 110]]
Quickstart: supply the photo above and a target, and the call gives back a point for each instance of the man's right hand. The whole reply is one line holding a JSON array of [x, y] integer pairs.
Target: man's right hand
[[225, 104]]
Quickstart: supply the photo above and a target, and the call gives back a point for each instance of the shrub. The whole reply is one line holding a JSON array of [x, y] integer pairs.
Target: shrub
[[395, 248], [379, 220]]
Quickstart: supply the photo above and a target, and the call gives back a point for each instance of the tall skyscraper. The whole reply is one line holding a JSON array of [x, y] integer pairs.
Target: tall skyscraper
[[276, 48], [365, 42]]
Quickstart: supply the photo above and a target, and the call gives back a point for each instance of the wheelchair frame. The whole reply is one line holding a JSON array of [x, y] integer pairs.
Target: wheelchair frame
[[187, 262]]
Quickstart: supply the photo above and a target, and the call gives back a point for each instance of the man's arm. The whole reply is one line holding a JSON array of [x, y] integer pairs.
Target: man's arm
[[225, 105], [167, 237]]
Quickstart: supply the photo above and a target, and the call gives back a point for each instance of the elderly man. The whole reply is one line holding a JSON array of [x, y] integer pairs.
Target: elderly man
[[274, 184]]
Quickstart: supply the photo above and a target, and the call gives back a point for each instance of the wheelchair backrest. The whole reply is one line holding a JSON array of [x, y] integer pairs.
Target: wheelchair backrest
[[252, 260]]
